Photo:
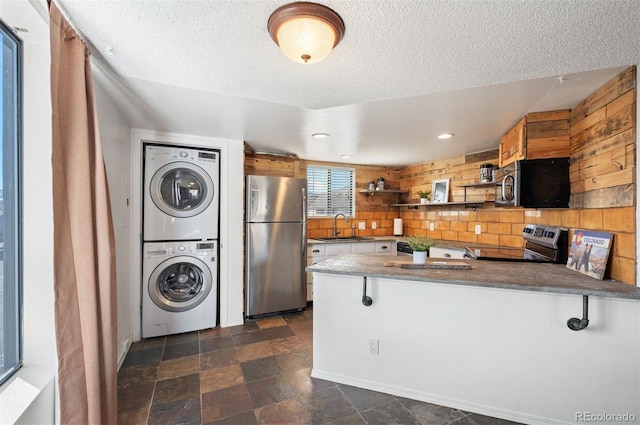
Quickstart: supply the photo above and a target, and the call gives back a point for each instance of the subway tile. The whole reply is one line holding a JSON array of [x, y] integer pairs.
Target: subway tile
[[591, 219], [435, 234], [458, 226], [442, 225], [499, 228], [449, 235], [516, 228], [571, 219], [619, 219], [471, 227], [449, 215], [488, 216], [511, 240], [624, 245], [551, 218], [532, 216], [467, 237], [511, 216], [488, 238], [623, 269], [467, 215]]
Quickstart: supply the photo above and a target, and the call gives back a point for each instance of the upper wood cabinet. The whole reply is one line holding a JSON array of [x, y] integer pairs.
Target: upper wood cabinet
[[537, 135]]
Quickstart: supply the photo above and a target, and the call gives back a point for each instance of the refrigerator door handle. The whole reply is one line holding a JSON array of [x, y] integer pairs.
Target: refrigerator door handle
[[303, 198], [303, 242]]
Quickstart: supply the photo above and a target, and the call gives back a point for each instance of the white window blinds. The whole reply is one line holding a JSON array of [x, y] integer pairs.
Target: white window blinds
[[330, 191]]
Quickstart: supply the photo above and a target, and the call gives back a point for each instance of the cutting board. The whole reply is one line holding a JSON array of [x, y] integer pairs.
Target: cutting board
[[450, 265]]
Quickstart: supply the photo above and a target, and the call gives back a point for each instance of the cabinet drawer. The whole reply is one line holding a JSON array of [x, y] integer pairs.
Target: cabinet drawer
[[440, 252], [315, 250], [382, 247], [337, 248], [363, 247]]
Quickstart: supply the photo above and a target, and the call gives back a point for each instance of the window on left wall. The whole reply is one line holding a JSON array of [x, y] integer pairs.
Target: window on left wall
[[10, 203]]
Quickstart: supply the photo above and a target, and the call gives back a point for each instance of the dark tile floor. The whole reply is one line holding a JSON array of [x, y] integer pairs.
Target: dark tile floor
[[256, 373]]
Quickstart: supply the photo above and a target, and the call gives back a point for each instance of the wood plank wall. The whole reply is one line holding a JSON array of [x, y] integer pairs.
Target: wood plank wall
[[603, 149], [603, 145]]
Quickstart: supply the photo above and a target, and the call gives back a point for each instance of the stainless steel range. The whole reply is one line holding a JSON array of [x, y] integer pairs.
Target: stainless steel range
[[543, 244]]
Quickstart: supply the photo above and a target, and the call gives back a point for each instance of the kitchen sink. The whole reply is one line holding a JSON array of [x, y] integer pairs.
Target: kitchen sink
[[346, 239]]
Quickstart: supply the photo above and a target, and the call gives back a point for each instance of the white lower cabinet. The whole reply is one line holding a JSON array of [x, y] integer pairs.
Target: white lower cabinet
[[317, 252]]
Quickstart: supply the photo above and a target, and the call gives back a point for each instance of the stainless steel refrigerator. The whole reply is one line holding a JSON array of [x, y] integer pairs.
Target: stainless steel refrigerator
[[275, 244]]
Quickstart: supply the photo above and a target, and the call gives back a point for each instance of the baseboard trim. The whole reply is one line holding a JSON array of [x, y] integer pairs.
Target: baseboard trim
[[466, 406]]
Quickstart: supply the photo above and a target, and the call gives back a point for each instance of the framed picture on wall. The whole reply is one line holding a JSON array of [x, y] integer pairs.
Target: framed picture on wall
[[589, 252]]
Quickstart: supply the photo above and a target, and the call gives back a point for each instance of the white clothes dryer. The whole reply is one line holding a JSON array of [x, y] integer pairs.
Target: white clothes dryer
[[179, 287], [181, 193]]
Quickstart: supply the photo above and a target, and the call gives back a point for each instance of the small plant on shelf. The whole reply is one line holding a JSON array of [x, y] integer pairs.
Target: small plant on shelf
[[420, 243], [424, 196]]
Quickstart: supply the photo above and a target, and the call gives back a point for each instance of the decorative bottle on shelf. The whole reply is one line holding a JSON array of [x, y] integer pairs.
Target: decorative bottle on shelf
[[380, 185], [372, 185]]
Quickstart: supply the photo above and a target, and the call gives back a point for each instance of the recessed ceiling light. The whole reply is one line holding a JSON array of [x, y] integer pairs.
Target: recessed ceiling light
[[345, 156], [320, 135], [445, 135]]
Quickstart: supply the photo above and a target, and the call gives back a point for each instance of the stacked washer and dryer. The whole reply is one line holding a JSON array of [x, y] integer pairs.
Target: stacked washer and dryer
[[180, 239]]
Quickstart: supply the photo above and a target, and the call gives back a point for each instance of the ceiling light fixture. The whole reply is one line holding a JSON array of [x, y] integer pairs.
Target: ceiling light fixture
[[445, 135], [320, 135], [345, 156], [306, 32]]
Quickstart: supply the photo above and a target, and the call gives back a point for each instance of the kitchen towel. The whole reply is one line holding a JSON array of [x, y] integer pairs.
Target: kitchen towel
[[397, 227]]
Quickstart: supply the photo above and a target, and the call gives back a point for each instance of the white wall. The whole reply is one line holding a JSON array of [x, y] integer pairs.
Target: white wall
[[32, 391], [115, 130], [497, 352]]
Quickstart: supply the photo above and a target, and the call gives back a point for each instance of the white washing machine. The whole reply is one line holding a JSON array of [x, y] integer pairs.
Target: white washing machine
[[179, 287], [181, 194]]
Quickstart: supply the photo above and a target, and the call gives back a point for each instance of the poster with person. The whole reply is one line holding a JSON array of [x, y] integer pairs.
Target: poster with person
[[589, 252]]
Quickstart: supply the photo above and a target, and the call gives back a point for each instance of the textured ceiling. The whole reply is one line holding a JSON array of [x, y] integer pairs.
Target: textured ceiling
[[404, 71]]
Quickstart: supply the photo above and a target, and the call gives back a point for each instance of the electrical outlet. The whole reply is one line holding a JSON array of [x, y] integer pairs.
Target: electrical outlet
[[432, 226], [478, 229], [362, 225], [374, 346], [374, 225]]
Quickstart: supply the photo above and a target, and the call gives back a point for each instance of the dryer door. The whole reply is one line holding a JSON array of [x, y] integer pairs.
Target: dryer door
[[181, 189], [180, 283]]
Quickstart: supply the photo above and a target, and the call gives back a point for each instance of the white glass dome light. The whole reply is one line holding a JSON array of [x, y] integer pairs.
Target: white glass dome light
[[306, 32]]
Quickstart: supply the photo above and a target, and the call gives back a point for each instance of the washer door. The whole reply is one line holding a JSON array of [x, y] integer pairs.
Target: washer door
[[180, 284], [181, 189]]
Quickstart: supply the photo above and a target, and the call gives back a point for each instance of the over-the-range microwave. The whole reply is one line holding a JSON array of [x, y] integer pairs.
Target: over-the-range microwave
[[534, 183]]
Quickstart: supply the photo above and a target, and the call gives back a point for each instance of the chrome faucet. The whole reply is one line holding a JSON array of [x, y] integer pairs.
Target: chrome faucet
[[336, 231]]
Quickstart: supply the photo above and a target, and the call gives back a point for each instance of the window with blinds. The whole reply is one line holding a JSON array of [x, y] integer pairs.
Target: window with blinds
[[330, 191]]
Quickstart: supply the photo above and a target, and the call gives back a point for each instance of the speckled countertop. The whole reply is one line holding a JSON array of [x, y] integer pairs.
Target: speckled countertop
[[540, 277]]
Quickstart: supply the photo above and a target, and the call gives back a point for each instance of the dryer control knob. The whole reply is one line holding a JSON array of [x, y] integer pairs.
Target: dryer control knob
[[183, 154], [182, 248]]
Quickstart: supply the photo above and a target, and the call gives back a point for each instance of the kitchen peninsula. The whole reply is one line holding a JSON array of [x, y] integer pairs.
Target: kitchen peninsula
[[492, 340]]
